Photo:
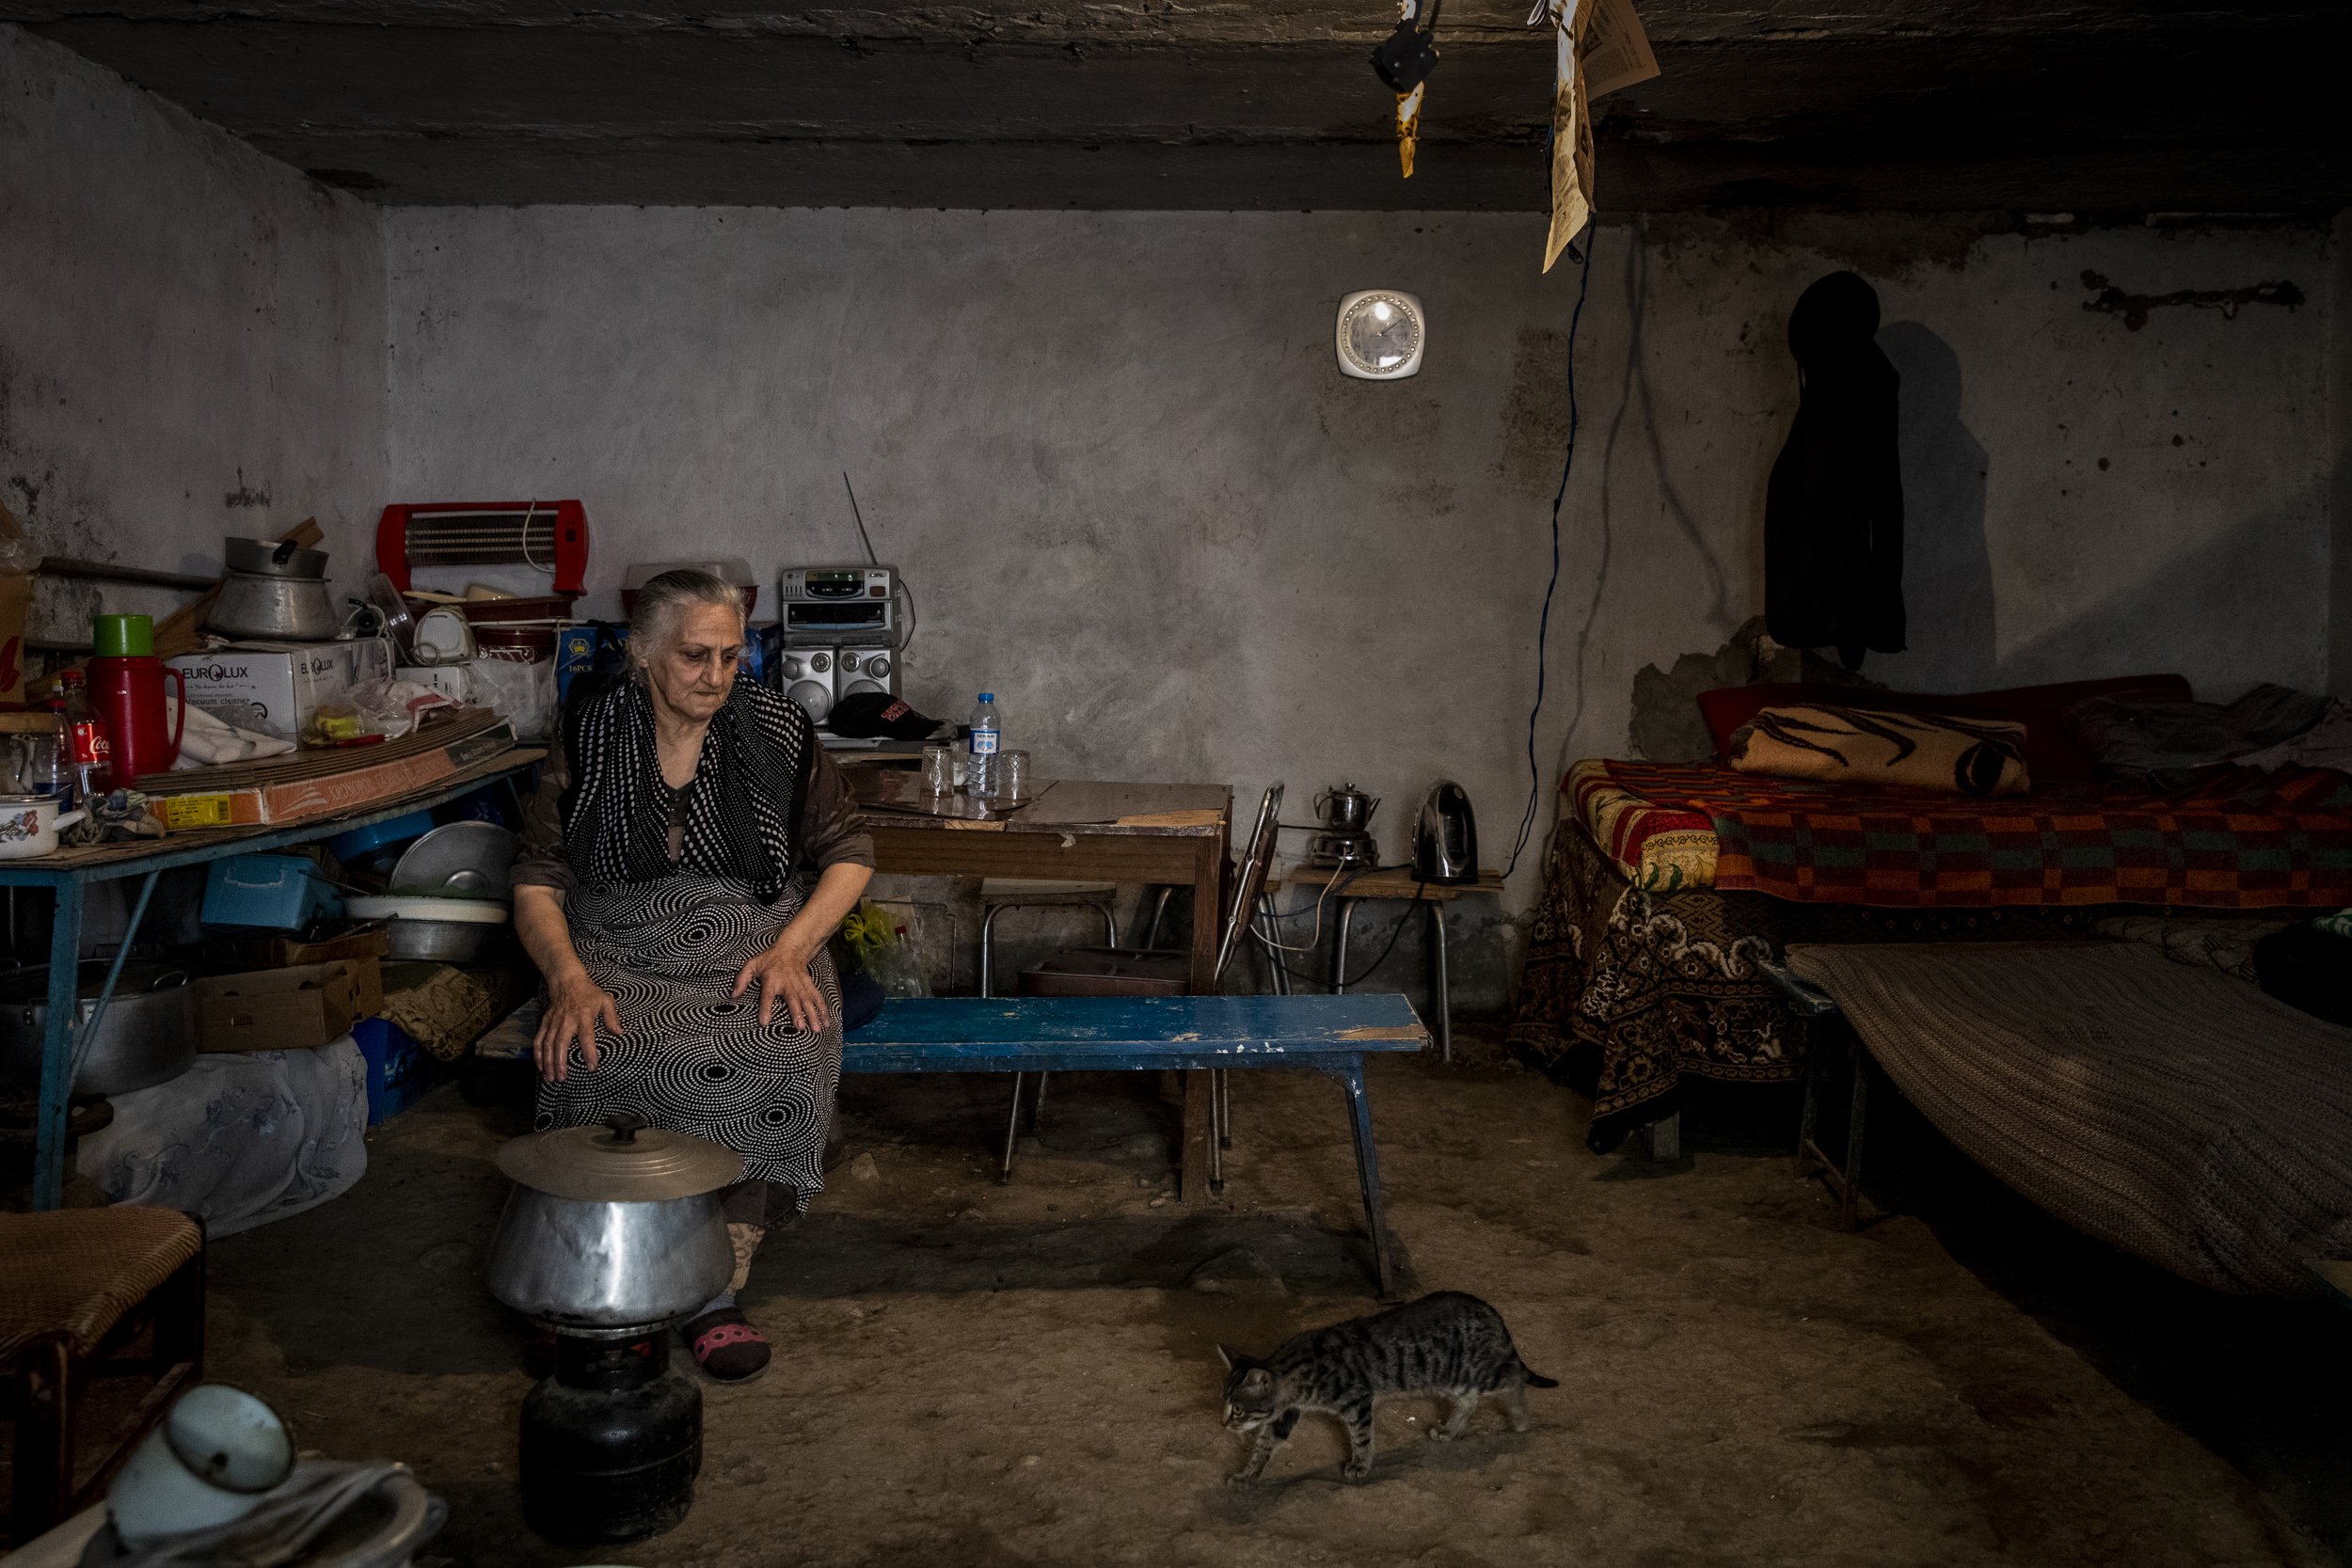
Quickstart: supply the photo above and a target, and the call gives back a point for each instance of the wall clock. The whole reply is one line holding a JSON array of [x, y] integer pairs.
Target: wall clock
[[1380, 335]]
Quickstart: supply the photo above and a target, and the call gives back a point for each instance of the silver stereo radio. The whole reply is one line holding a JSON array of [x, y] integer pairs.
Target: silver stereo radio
[[852, 606]]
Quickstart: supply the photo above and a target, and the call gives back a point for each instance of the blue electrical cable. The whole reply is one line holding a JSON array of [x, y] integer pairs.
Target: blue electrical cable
[[1543, 626]]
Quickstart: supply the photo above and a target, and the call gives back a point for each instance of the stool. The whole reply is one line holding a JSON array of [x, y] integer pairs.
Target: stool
[[1349, 888], [999, 894], [77, 1287]]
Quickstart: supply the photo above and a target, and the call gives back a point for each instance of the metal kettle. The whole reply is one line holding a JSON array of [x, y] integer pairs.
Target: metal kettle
[[1345, 808], [1445, 837], [613, 1229]]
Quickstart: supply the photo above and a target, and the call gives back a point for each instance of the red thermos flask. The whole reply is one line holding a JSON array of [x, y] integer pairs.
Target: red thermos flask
[[126, 687]]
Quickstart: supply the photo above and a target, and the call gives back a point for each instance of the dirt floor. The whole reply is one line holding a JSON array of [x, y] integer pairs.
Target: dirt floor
[[983, 1374]]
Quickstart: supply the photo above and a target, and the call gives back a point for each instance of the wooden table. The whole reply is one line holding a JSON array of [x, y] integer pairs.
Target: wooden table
[[1072, 830], [71, 871], [1398, 883]]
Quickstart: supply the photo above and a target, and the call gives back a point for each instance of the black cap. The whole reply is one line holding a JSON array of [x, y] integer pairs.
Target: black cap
[[862, 715]]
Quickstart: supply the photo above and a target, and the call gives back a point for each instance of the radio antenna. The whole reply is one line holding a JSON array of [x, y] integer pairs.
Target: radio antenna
[[904, 590], [872, 559]]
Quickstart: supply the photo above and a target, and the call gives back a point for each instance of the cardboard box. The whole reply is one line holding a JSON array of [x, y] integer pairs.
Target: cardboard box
[[283, 950], [351, 789], [274, 688], [287, 1009]]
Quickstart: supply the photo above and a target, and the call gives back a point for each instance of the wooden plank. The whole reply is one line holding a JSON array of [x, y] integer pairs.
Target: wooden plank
[[927, 851], [198, 845], [108, 571], [963, 1034], [1388, 883]]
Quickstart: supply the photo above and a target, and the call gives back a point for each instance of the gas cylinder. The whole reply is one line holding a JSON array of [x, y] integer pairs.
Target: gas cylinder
[[611, 1443]]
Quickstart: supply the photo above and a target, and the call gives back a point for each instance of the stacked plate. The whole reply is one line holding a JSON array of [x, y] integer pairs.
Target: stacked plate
[[449, 893]]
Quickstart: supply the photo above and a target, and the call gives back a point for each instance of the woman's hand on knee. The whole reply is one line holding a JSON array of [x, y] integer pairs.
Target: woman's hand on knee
[[575, 1008], [781, 975]]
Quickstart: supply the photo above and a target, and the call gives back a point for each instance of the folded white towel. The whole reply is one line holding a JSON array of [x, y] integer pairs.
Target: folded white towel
[[207, 740]]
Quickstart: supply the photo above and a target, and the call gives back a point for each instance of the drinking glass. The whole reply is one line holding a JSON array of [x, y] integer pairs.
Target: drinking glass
[[938, 770], [1013, 773]]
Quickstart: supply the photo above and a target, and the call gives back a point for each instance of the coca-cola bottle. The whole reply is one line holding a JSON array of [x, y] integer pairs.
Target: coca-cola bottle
[[92, 754]]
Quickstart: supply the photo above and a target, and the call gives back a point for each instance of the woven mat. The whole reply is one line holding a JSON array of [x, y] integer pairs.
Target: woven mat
[[2174, 1112], [81, 1270]]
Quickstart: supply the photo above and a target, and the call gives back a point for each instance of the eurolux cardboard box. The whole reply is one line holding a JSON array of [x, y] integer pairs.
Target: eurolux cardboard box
[[274, 688]]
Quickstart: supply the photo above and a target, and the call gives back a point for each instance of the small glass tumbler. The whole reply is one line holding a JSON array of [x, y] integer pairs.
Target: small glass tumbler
[[938, 770], [1013, 773]]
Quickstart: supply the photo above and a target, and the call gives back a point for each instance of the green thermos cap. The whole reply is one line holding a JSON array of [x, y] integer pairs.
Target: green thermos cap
[[123, 635]]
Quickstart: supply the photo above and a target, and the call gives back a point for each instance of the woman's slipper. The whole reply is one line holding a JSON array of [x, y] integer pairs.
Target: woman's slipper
[[726, 1346]]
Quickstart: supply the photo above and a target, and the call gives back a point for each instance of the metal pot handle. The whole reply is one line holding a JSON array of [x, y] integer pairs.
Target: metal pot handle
[[169, 978]]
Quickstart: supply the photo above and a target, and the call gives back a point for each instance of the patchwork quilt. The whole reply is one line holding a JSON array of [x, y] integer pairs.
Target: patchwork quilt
[[2246, 840]]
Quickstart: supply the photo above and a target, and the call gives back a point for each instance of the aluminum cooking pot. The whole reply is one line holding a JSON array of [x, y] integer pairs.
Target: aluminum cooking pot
[[149, 1036], [272, 557], [290, 609], [612, 1229]]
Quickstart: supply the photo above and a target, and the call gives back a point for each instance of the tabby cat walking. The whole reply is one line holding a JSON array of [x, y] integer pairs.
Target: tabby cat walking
[[1448, 1343]]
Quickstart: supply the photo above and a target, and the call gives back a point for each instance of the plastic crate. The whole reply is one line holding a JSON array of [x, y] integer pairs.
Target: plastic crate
[[282, 892], [399, 1070]]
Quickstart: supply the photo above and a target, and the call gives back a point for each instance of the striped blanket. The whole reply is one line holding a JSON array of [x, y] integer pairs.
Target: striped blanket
[[2172, 1111], [2247, 840]]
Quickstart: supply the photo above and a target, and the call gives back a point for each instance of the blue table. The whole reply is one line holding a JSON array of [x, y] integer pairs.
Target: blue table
[[70, 872], [1329, 1035]]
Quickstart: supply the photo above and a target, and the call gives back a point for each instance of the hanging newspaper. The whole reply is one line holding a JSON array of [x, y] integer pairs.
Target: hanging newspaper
[[1408, 126], [1599, 42]]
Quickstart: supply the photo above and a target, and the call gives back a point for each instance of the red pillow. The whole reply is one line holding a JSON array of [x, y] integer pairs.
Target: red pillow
[[2051, 754]]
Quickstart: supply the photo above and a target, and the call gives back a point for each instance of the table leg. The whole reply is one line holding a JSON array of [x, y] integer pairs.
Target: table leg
[[1439, 988], [56, 1048], [1339, 945], [1012, 1130], [1351, 1077]]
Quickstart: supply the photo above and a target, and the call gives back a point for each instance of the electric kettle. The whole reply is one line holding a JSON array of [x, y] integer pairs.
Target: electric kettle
[[1445, 837]]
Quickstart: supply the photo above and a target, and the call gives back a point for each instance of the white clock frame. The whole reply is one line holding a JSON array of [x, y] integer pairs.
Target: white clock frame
[[1350, 365]]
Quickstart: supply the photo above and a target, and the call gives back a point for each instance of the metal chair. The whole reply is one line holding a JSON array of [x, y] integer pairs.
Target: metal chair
[[1237, 919], [998, 894]]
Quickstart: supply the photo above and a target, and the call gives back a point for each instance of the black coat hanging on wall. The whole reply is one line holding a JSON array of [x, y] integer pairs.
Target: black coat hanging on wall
[[1833, 507]]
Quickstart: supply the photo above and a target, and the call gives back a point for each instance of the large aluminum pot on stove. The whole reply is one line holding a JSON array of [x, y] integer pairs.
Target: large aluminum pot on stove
[[613, 1228]]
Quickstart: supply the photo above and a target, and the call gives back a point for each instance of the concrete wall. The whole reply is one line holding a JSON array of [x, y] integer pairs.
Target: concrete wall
[[191, 334], [1137, 500]]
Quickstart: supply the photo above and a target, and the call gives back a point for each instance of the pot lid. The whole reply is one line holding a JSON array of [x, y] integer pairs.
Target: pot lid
[[622, 1161]]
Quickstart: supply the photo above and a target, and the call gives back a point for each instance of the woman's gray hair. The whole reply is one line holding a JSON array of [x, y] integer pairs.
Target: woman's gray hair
[[665, 599]]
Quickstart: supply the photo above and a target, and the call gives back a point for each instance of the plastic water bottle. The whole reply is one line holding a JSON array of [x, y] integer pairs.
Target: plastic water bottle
[[980, 778]]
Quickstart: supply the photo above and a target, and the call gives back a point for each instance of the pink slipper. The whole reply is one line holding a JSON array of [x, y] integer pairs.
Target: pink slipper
[[726, 1346]]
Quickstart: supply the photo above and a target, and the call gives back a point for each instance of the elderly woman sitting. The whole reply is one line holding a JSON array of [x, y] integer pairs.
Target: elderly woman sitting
[[663, 891]]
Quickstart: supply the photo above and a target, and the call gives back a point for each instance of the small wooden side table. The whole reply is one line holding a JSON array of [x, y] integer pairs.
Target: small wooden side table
[[1397, 882]]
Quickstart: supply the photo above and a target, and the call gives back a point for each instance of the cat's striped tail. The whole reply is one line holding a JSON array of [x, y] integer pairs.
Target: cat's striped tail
[[1534, 1378]]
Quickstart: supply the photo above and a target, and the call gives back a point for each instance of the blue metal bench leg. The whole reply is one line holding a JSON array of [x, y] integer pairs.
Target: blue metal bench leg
[[1351, 1077]]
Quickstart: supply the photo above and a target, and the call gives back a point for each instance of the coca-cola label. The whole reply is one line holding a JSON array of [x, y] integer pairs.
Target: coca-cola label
[[90, 743]]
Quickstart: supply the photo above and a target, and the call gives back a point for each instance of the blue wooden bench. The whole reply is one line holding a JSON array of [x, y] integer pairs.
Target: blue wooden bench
[[1330, 1034]]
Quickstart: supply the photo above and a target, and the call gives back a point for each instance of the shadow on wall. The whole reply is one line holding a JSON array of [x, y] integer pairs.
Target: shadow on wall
[[2195, 614], [1947, 566]]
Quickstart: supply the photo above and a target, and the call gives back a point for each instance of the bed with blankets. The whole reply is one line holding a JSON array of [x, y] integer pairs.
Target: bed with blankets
[[1667, 883]]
